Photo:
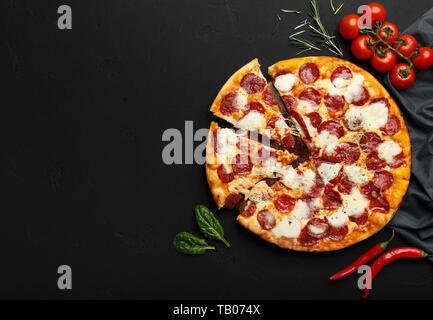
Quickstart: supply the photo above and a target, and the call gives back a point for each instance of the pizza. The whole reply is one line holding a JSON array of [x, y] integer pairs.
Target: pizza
[[319, 157]]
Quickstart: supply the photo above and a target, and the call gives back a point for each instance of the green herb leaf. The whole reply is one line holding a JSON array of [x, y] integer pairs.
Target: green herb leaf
[[187, 243], [338, 8], [290, 11], [208, 224]]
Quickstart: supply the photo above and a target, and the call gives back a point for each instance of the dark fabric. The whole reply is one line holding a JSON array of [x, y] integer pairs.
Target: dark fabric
[[414, 219]]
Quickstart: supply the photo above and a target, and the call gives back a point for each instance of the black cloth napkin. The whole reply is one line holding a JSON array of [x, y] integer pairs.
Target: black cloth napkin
[[414, 219]]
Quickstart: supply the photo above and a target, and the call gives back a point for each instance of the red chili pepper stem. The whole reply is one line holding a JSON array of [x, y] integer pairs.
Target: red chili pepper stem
[[393, 255], [425, 255], [386, 243]]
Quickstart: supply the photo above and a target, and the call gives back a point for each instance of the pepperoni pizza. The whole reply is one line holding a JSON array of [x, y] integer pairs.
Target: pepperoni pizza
[[358, 167]]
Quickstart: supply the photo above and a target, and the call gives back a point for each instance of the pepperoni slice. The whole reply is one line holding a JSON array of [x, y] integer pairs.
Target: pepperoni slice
[[242, 164], [309, 72], [369, 141], [228, 104], [264, 154], [284, 203], [271, 126], [392, 126], [379, 204], [248, 212], [317, 228], [268, 97], [338, 233], [266, 219], [383, 100], [288, 141], [374, 163], [289, 101], [252, 83], [360, 220], [341, 73], [317, 188], [305, 239], [214, 140], [225, 176], [312, 95], [232, 200], [333, 127], [335, 103], [332, 200], [348, 152], [399, 160], [345, 185], [254, 106], [243, 145], [315, 119], [362, 98], [370, 191], [383, 180]]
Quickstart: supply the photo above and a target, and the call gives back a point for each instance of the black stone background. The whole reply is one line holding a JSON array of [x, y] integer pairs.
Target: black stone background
[[81, 176]]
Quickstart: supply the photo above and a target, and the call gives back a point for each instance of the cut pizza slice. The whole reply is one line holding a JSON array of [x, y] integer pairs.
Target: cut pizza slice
[[247, 102], [235, 163]]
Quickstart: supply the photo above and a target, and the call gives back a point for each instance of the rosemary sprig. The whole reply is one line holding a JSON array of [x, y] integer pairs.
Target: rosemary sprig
[[277, 25], [290, 11], [320, 31], [302, 24], [303, 44], [338, 8]]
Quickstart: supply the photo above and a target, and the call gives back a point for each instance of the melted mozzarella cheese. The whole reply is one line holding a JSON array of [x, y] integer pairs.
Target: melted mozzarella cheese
[[375, 116], [325, 139], [328, 171], [259, 193], [317, 229], [252, 121], [288, 227], [387, 150], [356, 174], [301, 210], [371, 117], [354, 90], [354, 204], [227, 140], [289, 177], [241, 98], [306, 106], [285, 82], [338, 219], [308, 180], [341, 83]]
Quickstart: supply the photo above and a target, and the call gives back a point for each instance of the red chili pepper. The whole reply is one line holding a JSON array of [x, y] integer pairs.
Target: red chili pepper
[[390, 256], [370, 254]]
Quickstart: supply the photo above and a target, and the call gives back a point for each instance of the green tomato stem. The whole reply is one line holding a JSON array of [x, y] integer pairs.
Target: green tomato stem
[[375, 33]]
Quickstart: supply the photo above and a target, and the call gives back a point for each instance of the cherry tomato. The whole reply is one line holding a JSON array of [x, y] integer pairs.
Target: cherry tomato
[[349, 26], [378, 12], [424, 60], [401, 76], [406, 49], [359, 47], [394, 34], [385, 63]]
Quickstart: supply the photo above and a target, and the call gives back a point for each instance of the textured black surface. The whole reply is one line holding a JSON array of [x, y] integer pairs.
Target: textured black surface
[[82, 180]]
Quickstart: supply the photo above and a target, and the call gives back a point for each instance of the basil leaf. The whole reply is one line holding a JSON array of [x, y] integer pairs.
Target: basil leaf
[[187, 243], [208, 224]]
